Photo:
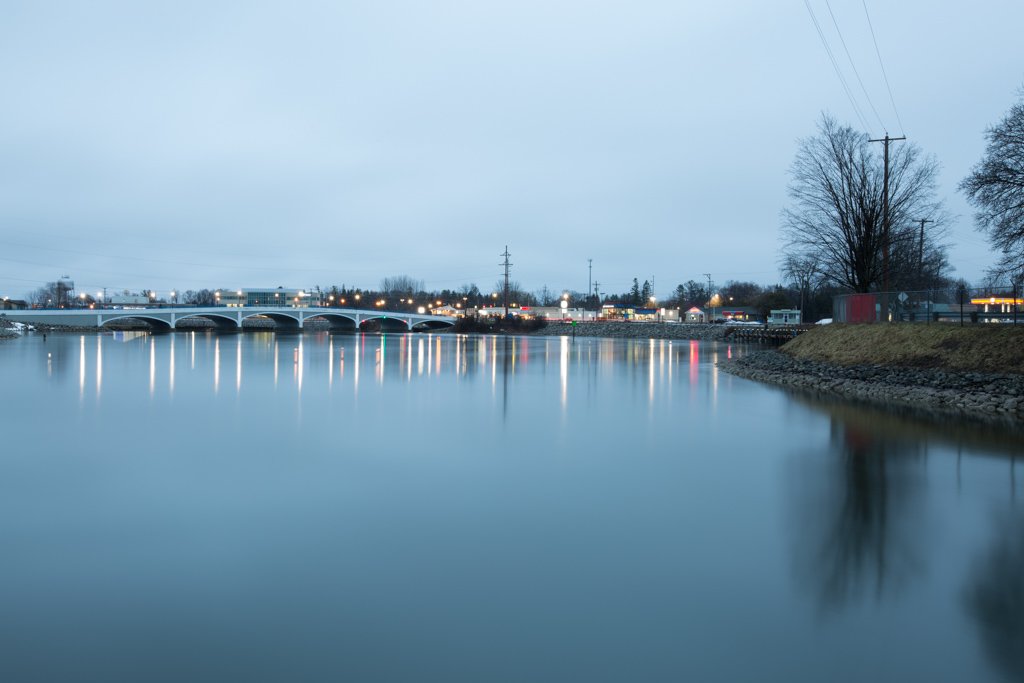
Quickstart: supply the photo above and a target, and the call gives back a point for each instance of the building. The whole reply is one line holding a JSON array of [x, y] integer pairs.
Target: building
[[784, 316], [13, 304], [558, 313], [632, 312], [448, 310], [289, 298], [694, 315], [997, 307], [744, 314]]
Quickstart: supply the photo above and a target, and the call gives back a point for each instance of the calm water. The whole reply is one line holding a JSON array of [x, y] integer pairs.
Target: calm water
[[435, 508]]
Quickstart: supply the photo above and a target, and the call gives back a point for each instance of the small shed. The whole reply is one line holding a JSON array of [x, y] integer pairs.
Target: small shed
[[694, 315], [784, 316]]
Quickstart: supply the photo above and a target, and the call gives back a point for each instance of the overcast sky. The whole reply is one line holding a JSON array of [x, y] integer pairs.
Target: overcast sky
[[201, 144]]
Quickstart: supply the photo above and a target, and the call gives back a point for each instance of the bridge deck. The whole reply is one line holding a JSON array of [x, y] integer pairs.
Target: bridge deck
[[231, 318]]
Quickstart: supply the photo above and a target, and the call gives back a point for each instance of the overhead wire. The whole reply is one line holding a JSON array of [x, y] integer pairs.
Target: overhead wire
[[835, 66], [852, 65], [885, 77]]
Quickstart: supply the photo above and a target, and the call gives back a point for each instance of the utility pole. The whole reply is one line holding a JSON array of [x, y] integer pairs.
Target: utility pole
[[590, 277], [885, 214], [920, 249], [507, 267], [708, 276]]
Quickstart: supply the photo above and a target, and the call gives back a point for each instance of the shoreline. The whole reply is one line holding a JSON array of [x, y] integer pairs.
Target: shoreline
[[636, 330], [993, 398]]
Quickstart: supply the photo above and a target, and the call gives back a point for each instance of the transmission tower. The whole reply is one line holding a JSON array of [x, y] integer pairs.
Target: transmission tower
[[507, 266]]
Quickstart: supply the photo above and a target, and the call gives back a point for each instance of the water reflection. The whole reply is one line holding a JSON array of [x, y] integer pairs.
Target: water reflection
[[994, 596], [859, 513], [652, 365], [592, 495]]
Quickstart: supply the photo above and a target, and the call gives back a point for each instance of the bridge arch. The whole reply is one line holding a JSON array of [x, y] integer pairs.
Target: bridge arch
[[385, 323], [337, 321], [222, 322], [158, 324], [282, 321], [430, 325]]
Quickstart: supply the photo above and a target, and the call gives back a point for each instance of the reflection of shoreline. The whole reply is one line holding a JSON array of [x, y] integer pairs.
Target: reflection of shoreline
[[904, 423]]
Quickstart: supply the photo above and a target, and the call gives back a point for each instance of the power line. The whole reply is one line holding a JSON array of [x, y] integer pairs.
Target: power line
[[835, 66], [884, 76], [508, 266], [852, 65]]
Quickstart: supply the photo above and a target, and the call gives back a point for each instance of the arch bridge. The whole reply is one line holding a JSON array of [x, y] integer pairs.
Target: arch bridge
[[168, 318]]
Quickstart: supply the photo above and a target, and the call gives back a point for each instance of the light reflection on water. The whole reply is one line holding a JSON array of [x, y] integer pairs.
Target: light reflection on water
[[485, 508]]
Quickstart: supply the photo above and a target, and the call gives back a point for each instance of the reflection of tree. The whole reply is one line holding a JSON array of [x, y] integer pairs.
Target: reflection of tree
[[995, 596], [857, 537]]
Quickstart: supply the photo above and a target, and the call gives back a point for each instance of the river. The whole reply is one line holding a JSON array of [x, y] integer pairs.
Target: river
[[253, 506]]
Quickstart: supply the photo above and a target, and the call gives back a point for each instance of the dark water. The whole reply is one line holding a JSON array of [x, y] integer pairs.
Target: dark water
[[436, 508]]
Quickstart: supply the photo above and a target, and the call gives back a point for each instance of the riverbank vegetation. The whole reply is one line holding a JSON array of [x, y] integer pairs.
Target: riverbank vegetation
[[978, 348]]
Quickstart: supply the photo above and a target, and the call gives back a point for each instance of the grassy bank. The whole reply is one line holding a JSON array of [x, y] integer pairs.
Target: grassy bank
[[977, 348]]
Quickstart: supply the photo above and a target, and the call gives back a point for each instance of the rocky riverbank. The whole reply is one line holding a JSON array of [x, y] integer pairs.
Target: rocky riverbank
[[10, 329], [636, 330], [975, 395]]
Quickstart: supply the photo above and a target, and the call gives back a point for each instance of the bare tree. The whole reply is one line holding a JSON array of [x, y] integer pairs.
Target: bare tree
[[804, 272], [203, 297], [516, 293], [996, 189], [836, 213], [397, 285], [52, 294]]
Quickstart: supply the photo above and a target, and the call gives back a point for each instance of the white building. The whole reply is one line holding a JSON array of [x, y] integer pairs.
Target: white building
[[290, 298], [784, 316]]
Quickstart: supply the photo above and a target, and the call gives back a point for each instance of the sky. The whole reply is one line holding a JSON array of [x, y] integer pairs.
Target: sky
[[182, 145]]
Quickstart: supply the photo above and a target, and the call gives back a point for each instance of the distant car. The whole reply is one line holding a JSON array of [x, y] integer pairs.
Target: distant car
[[824, 321]]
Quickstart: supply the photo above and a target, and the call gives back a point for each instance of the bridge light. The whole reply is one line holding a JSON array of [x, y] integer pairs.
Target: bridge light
[[421, 310]]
